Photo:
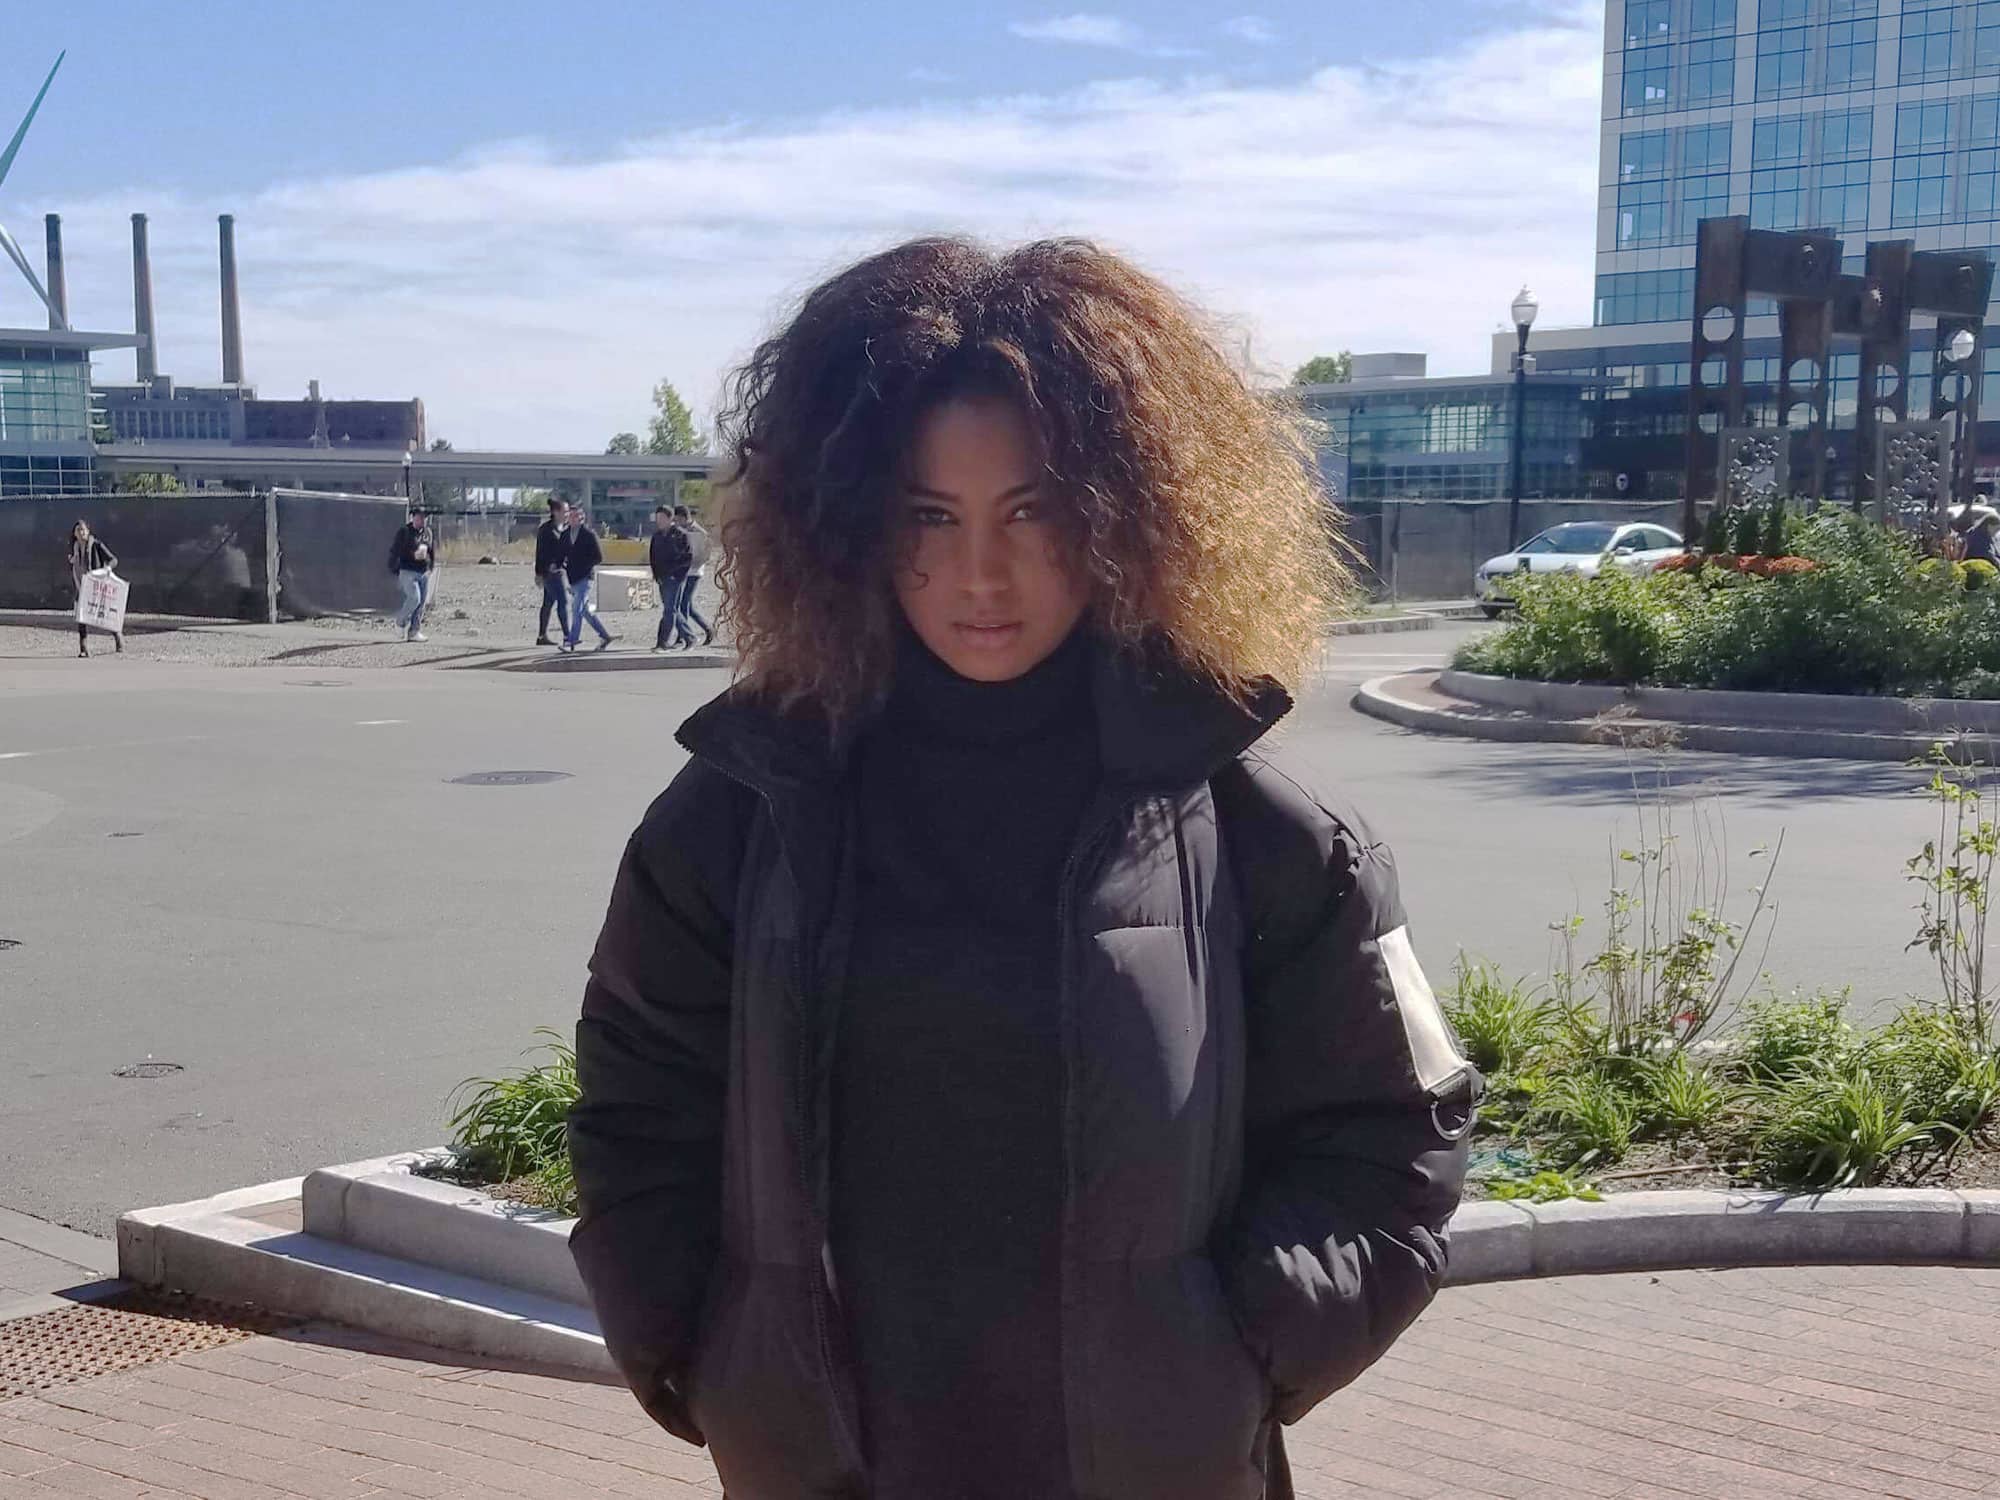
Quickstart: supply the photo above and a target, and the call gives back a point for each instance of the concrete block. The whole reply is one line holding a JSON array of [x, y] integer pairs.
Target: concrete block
[[1678, 1229], [462, 1230], [323, 1195], [239, 1260], [1982, 1224], [138, 1230], [1490, 1241]]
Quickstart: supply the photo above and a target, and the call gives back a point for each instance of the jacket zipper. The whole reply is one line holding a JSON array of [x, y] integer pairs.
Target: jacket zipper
[[816, 1246], [1072, 1291]]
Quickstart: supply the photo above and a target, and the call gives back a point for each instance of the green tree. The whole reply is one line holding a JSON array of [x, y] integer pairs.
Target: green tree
[[623, 442], [1324, 369], [151, 484], [438, 494], [672, 428]]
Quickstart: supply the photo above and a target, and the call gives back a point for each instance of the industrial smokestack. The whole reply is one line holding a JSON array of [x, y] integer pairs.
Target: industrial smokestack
[[58, 290], [142, 299], [232, 319]]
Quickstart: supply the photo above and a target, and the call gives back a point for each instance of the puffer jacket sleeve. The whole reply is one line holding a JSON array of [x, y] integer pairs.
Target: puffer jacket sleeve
[[651, 1058], [1357, 1098]]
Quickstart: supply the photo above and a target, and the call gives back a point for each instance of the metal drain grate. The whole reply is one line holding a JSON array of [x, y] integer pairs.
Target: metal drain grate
[[6, 943], [135, 1328], [509, 778]]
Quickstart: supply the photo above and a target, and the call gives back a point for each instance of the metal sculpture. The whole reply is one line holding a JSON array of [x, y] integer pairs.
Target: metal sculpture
[[1913, 470], [57, 318], [1756, 466], [1816, 303]]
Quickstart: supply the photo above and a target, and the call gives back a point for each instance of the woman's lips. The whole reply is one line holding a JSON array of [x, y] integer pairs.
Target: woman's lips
[[988, 636]]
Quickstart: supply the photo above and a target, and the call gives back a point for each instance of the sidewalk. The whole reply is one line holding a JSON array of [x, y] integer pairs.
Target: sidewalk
[[1836, 1382]]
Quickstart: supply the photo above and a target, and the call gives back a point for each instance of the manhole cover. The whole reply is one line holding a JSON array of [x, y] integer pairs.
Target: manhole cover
[[508, 778], [128, 835], [318, 682], [138, 1327], [147, 1069]]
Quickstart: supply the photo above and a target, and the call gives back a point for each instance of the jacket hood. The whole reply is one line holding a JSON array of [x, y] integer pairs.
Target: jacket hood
[[1159, 726]]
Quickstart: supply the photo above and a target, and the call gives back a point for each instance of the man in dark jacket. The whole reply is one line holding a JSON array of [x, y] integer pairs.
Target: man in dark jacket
[[580, 563], [670, 554], [1287, 1040], [551, 546], [414, 557]]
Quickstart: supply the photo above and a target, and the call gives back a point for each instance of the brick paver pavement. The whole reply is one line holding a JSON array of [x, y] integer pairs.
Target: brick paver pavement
[[1732, 1385]]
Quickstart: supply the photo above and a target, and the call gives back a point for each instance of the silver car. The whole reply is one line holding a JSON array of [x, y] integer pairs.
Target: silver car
[[1574, 547]]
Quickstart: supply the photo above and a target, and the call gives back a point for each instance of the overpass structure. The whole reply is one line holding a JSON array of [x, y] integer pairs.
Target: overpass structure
[[345, 468]]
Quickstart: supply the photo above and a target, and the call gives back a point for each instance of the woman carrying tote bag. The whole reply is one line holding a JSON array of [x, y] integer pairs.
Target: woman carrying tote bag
[[1002, 1076], [86, 555]]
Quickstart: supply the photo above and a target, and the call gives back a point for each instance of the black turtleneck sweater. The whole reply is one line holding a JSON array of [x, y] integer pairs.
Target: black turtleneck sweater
[[948, 1084]]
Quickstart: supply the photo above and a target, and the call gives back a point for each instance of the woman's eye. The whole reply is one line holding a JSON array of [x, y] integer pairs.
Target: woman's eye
[[930, 515], [1027, 510]]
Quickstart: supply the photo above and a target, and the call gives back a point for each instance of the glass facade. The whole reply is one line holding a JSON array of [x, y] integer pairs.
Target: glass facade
[[44, 420], [1443, 441]]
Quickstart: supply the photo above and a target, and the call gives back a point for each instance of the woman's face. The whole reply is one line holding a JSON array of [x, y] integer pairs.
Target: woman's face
[[983, 575]]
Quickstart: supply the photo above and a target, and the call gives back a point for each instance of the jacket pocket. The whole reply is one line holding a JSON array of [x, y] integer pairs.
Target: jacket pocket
[[758, 1389], [1174, 1399]]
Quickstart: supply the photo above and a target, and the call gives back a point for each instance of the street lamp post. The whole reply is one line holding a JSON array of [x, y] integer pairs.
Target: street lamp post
[[1524, 309], [1961, 350], [406, 474]]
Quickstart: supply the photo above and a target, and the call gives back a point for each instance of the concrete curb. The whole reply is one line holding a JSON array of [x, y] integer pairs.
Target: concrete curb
[[1399, 700], [608, 661], [383, 1250]]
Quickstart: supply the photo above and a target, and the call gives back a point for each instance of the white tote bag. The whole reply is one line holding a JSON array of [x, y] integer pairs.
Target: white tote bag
[[100, 603]]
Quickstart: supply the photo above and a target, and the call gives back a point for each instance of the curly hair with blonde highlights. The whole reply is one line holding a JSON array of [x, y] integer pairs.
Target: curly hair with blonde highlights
[[1195, 504]]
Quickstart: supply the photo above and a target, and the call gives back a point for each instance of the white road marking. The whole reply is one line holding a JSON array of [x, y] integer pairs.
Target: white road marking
[[370, 723], [17, 754]]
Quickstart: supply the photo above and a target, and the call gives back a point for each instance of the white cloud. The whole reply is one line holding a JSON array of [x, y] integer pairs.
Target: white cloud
[[1080, 30], [1253, 29], [532, 299]]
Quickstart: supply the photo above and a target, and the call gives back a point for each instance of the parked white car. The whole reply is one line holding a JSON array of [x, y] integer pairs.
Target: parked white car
[[1574, 547]]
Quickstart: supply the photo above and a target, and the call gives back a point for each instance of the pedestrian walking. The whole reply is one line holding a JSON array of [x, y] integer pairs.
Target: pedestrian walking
[[668, 555], [1001, 1076], [551, 543], [700, 545], [86, 555], [580, 563], [413, 559]]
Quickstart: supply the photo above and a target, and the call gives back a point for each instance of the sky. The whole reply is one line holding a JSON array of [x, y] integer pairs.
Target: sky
[[527, 213]]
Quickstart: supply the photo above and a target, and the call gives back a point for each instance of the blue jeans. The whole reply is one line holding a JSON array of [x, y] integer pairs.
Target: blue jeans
[[580, 609], [688, 613], [416, 597], [671, 588], [555, 596]]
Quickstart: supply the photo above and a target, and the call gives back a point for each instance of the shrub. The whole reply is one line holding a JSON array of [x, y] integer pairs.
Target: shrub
[[1772, 543], [1715, 533], [1500, 1024], [514, 1125], [1977, 573], [1543, 1187], [1678, 1095], [1785, 1038], [1836, 1129], [1617, 627], [1948, 1076], [1746, 531], [1588, 1119]]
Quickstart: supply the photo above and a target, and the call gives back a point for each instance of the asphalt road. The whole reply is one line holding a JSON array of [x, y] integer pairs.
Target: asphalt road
[[267, 876]]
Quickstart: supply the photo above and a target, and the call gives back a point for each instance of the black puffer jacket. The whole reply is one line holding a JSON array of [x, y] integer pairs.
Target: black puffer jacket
[[1262, 1114]]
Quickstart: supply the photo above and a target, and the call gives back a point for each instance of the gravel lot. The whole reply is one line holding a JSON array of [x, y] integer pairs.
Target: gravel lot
[[475, 611]]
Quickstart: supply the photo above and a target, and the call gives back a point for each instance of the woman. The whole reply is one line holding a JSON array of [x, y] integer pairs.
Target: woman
[[86, 555], [998, 1078]]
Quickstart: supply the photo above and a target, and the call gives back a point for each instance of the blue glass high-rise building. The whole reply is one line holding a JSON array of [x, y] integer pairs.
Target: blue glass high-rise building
[[1874, 119]]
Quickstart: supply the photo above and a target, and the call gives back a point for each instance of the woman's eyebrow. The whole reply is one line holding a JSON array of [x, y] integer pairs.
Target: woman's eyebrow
[[923, 492]]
